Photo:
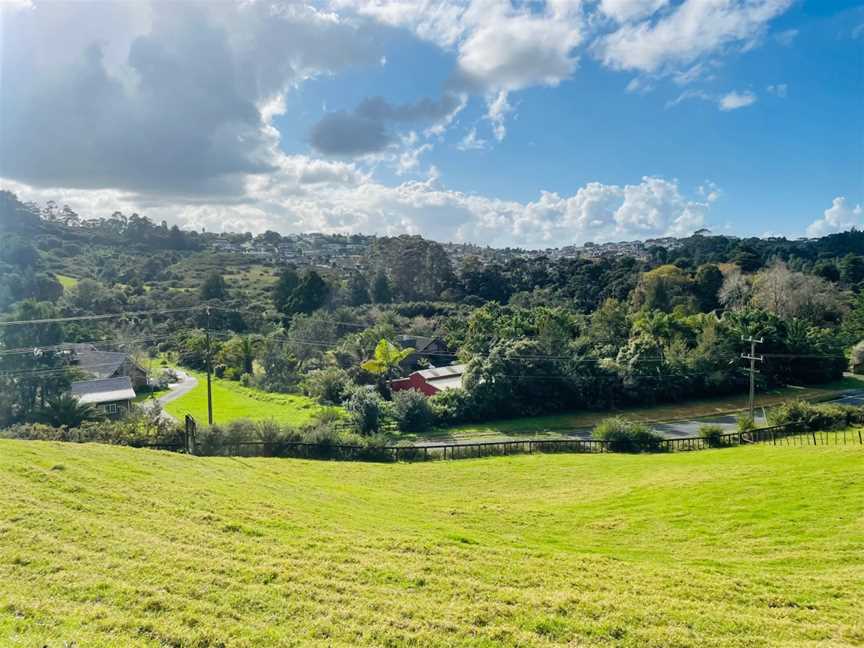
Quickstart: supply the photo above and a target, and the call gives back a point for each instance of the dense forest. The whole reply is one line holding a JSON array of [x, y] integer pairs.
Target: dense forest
[[539, 334]]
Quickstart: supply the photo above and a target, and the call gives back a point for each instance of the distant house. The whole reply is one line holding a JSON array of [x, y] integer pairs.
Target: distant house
[[432, 350], [431, 381], [104, 364], [113, 396]]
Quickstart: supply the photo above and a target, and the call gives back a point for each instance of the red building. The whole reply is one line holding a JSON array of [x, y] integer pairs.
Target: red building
[[431, 381]]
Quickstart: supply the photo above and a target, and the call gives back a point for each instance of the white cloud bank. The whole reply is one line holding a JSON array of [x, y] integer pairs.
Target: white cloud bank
[[308, 195], [837, 218]]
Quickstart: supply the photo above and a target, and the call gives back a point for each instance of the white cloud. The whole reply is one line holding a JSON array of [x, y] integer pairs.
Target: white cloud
[[734, 100], [471, 142], [309, 195], [628, 10], [837, 218], [779, 90], [694, 29]]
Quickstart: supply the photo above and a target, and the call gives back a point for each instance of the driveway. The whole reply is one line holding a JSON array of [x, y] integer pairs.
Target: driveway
[[185, 383]]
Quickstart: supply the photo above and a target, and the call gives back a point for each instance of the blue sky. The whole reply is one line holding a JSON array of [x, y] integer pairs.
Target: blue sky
[[621, 118]]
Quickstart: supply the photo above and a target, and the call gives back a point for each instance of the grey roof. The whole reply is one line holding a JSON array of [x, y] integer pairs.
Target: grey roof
[[101, 364], [443, 372], [106, 390]]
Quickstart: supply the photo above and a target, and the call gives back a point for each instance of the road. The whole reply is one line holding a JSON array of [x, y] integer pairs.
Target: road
[[670, 429], [185, 383]]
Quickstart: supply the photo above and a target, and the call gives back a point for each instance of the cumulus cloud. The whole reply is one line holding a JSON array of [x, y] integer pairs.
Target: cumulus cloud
[[694, 29], [167, 99], [308, 195], [837, 218], [367, 128], [735, 100]]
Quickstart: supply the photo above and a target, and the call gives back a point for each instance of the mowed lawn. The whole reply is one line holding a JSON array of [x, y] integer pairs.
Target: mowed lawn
[[753, 546], [232, 401], [555, 425]]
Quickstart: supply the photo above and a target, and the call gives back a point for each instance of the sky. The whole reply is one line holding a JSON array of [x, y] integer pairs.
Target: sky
[[525, 123]]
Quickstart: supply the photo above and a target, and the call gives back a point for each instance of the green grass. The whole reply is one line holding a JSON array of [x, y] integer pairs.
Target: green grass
[[553, 425], [754, 546], [232, 401], [66, 281]]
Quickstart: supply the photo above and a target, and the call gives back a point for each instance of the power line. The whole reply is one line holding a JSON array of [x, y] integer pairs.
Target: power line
[[82, 318]]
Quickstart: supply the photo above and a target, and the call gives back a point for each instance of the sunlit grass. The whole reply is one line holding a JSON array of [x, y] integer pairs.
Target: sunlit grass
[[754, 546], [66, 281], [232, 401]]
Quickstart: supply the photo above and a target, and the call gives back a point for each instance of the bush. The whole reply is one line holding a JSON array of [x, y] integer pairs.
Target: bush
[[745, 422], [328, 386], [452, 407], [364, 406], [412, 411], [801, 415], [627, 436], [231, 373], [713, 434], [247, 380]]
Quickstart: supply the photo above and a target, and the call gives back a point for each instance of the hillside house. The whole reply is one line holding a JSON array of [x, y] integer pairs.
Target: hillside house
[[104, 364], [113, 396], [431, 381], [427, 351]]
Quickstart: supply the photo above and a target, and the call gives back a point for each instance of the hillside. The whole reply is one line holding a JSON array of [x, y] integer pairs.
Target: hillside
[[109, 546]]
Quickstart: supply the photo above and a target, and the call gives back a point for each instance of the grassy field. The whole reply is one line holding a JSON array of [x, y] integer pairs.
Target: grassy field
[[754, 546], [66, 281], [232, 401], [553, 425]]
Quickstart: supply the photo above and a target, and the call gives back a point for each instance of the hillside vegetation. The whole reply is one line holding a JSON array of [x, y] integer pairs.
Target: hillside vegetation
[[109, 546]]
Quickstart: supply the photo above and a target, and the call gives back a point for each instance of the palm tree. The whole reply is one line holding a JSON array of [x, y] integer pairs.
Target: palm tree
[[67, 411], [386, 361]]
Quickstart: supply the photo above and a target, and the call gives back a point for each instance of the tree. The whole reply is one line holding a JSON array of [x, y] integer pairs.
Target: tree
[[284, 288], [707, 286], [790, 294], [412, 411], [852, 269], [663, 288], [364, 406], [239, 353], [328, 386], [214, 287], [358, 290], [735, 291], [310, 294], [67, 411], [386, 360], [381, 293]]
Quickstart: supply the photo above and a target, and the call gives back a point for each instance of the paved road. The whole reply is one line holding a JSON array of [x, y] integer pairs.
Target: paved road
[[670, 430], [185, 383]]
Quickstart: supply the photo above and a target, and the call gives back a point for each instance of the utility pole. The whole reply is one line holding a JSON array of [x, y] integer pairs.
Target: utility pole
[[752, 358], [209, 371]]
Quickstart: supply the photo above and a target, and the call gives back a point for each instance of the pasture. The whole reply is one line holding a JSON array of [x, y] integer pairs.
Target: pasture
[[752, 546], [232, 401]]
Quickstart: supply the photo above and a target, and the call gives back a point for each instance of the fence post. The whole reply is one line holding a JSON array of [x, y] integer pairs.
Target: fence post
[[530, 447]]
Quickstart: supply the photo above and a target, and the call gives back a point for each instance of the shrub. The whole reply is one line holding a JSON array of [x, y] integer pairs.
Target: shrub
[[231, 373], [452, 407], [802, 415], [412, 411], [745, 422], [247, 380], [364, 406], [328, 386], [627, 436], [713, 434]]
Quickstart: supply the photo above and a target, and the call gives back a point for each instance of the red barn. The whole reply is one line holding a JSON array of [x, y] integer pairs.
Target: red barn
[[431, 381]]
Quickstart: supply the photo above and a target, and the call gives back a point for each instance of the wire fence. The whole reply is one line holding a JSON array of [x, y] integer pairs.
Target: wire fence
[[781, 435]]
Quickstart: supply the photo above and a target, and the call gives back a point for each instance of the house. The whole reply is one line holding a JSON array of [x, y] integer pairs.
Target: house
[[104, 364], [113, 396], [431, 381], [432, 350]]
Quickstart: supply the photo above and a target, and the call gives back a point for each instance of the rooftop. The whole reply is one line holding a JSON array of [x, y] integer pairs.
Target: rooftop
[[106, 390]]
